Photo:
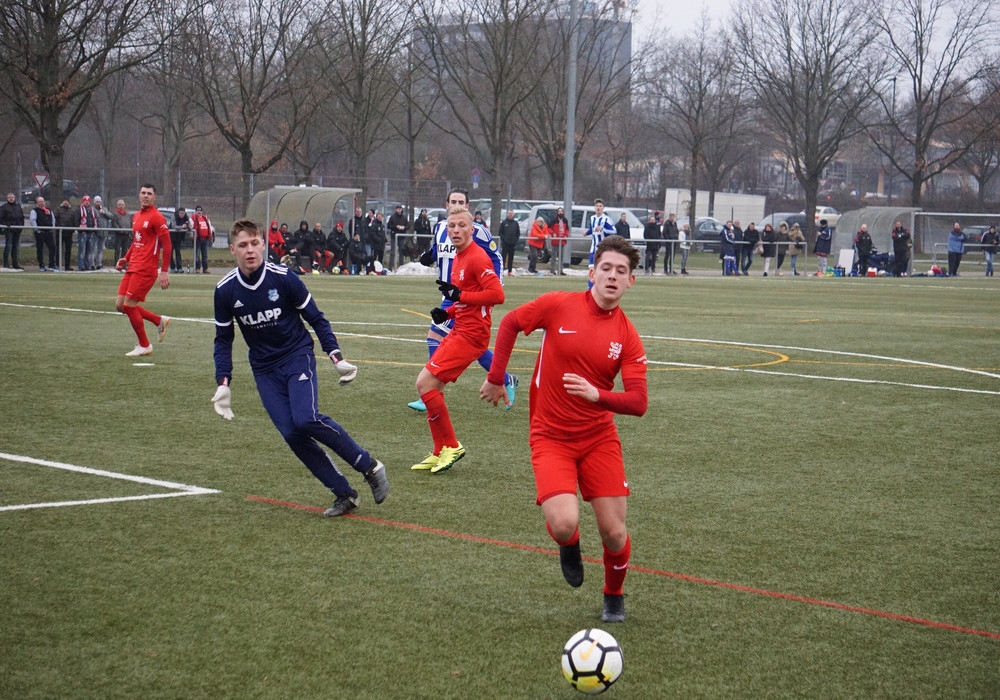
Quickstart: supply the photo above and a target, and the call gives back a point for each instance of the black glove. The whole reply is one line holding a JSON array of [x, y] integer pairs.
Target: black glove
[[439, 315], [427, 258], [449, 291]]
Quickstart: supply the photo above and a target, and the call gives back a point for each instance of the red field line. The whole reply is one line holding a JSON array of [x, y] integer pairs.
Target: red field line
[[655, 572]]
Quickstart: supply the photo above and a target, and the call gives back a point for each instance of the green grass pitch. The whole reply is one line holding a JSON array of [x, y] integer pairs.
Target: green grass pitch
[[815, 508]]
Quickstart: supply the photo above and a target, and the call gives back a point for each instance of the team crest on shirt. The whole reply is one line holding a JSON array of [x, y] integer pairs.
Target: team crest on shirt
[[461, 274], [615, 351], [272, 294], [493, 245]]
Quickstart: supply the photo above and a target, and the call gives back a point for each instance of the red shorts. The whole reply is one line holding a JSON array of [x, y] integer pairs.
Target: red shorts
[[452, 357], [136, 285], [595, 464]]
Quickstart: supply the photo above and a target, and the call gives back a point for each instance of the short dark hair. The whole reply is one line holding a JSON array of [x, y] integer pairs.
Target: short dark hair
[[598, 201], [148, 186], [617, 244], [459, 190]]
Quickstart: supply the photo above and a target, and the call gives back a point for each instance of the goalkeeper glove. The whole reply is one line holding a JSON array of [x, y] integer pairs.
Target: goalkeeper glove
[[222, 402], [449, 291], [427, 257], [345, 369], [439, 315]]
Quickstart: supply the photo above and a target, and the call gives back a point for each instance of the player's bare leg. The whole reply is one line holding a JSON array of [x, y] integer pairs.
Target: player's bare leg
[[562, 520]]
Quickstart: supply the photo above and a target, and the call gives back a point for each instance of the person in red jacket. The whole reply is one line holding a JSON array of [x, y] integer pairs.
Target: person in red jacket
[[150, 250], [588, 341], [474, 289], [204, 236]]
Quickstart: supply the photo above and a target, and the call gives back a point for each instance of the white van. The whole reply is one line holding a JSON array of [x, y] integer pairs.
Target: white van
[[578, 240]]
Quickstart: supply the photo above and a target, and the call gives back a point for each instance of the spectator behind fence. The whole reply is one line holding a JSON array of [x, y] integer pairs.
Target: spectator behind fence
[[727, 249], [104, 222], [42, 220], [178, 235], [864, 245], [782, 238], [798, 247], [510, 234], [751, 245], [337, 247], [66, 221], [738, 238], [356, 253], [956, 248], [902, 242], [684, 244], [559, 239], [376, 237], [85, 235], [397, 226], [536, 243], [121, 221], [991, 240], [767, 239], [651, 232], [204, 236], [669, 235], [11, 219]]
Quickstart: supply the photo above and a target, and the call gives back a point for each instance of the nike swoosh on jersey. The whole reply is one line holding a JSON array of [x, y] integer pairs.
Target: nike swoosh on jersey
[[564, 331]]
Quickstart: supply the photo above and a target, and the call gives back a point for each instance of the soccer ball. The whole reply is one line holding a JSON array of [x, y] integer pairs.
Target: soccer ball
[[592, 661]]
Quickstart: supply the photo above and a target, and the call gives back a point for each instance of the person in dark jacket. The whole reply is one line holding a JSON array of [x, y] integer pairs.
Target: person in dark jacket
[[356, 251], [178, 235], [768, 237], [824, 241], [990, 241], [424, 230], [11, 220], [727, 248], [739, 247], [337, 246], [397, 226], [300, 249], [864, 245], [751, 236], [510, 234], [66, 221], [622, 227], [651, 232], [376, 239], [902, 242], [669, 236], [42, 220]]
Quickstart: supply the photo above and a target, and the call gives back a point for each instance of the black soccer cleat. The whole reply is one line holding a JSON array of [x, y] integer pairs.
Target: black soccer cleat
[[378, 481], [342, 506], [571, 562], [614, 608]]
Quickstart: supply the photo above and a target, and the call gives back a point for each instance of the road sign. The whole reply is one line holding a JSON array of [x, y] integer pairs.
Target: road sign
[[475, 179], [41, 179]]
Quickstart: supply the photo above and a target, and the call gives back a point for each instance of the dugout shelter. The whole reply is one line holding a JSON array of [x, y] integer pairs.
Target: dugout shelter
[[290, 205]]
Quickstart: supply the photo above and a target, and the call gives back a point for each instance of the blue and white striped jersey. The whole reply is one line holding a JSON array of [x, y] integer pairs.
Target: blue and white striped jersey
[[600, 228]]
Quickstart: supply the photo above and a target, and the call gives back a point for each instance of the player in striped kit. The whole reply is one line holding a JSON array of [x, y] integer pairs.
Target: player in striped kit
[[588, 341], [600, 228], [442, 253]]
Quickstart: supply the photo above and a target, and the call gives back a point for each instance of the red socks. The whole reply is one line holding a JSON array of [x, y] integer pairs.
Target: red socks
[[148, 315], [134, 314], [615, 567], [439, 420]]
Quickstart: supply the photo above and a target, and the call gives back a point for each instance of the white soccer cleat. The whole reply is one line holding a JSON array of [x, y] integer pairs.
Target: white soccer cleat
[[139, 351], [162, 328]]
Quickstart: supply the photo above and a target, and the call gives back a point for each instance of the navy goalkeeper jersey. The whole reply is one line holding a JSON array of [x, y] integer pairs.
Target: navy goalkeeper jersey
[[269, 308]]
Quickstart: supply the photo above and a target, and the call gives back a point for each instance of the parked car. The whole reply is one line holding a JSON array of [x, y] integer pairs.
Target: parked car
[[579, 243], [706, 232], [789, 217], [831, 215], [70, 190]]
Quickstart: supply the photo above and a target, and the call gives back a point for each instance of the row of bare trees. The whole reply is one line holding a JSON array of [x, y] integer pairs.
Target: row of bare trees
[[294, 84]]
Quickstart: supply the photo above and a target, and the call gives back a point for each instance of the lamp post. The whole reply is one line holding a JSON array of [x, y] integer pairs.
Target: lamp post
[[892, 146]]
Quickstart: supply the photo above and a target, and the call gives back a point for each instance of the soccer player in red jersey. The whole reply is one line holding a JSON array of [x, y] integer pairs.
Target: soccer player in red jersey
[[474, 289], [150, 245], [574, 443]]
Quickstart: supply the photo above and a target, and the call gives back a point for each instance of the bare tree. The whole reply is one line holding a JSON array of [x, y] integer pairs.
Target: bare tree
[[54, 55], [806, 61], [247, 76], [480, 59], [606, 75], [981, 133], [361, 63], [691, 100], [937, 47]]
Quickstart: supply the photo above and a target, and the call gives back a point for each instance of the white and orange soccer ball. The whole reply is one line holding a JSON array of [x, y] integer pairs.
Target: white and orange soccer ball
[[592, 661]]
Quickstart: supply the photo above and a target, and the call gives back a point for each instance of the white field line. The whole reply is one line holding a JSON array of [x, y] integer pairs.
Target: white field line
[[898, 360], [178, 489]]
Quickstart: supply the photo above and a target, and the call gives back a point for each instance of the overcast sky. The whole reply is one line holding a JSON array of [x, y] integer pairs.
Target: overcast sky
[[677, 17]]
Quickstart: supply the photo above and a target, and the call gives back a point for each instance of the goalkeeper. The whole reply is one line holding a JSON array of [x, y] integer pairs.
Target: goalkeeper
[[270, 303]]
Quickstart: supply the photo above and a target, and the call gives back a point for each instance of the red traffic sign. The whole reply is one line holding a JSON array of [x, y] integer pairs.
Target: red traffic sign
[[41, 179]]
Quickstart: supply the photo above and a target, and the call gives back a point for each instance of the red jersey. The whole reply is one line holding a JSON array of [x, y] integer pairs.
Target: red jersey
[[150, 235], [472, 272], [580, 338]]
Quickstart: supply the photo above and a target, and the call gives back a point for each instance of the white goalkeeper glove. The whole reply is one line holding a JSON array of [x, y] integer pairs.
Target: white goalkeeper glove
[[345, 369], [222, 402]]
